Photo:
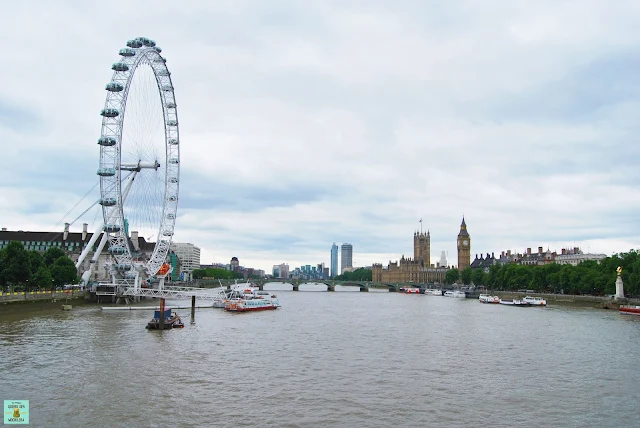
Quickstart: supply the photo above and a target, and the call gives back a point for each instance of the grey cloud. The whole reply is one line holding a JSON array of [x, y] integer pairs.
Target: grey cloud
[[21, 118], [349, 121]]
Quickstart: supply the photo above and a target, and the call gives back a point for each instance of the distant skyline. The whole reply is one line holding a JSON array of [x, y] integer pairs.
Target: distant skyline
[[305, 123]]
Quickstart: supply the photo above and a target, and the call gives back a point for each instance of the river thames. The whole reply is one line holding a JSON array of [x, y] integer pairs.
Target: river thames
[[344, 359]]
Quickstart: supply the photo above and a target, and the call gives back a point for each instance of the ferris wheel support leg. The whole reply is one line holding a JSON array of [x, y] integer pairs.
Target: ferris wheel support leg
[[86, 276], [90, 244], [161, 283]]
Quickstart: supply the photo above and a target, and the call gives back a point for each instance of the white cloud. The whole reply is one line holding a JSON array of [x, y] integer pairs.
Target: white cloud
[[346, 122]]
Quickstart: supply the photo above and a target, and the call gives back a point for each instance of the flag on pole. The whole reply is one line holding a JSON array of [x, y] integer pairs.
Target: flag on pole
[[420, 221]]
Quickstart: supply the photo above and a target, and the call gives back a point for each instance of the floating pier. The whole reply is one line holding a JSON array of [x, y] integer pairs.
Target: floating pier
[[149, 308]]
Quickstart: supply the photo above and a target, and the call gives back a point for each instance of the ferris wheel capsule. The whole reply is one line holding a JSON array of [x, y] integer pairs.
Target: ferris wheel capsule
[[117, 249], [120, 66], [111, 227], [135, 43], [107, 141], [127, 52], [108, 202], [114, 87], [109, 112]]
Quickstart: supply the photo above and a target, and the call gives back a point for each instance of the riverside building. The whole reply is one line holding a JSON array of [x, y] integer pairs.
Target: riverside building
[[419, 268], [346, 257], [334, 260]]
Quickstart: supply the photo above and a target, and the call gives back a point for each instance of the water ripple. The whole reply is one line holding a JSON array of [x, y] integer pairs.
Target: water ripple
[[327, 359]]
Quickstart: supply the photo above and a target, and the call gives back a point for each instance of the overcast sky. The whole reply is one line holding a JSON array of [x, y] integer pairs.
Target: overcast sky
[[305, 123]]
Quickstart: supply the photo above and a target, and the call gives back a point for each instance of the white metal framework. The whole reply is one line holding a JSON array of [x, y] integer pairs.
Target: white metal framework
[[139, 172], [178, 292]]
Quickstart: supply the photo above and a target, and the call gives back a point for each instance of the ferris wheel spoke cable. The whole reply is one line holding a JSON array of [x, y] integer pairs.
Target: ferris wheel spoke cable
[[76, 205]]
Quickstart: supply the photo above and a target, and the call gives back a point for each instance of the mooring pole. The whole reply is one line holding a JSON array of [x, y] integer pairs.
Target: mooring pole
[[161, 313], [193, 308]]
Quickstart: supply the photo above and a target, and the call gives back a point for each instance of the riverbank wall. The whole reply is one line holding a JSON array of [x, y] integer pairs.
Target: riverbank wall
[[41, 296], [604, 302]]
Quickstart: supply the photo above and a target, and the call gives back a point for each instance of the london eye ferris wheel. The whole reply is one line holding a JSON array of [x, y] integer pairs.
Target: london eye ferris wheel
[[139, 160]]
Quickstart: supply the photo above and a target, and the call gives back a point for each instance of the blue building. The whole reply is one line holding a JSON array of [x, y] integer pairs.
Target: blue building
[[334, 260]]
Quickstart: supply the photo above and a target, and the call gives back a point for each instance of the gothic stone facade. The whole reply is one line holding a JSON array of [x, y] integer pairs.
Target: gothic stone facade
[[417, 270]]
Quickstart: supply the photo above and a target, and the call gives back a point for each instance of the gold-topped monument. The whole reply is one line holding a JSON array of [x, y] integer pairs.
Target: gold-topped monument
[[619, 284]]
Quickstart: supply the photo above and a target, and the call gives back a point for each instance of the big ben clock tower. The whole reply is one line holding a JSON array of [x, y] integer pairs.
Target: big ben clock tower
[[464, 247]]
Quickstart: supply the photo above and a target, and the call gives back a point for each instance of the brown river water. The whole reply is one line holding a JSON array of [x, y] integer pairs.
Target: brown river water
[[344, 359]]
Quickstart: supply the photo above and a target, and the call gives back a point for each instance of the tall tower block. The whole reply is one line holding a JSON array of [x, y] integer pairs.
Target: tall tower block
[[422, 248], [464, 247]]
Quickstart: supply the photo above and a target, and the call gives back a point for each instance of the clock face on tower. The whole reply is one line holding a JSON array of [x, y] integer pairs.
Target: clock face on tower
[[465, 242]]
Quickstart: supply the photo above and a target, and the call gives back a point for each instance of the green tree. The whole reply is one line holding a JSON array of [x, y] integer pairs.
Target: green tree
[[496, 277], [42, 278], [215, 273], [63, 271], [3, 257], [478, 277], [52, 254], [451, 276], [465, 275], [360, 274], [16, 267], [35, 260]]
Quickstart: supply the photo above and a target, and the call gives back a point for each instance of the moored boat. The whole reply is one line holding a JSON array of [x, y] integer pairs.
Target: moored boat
[[514, 302], [433, 291], [535, 301], [630, 309], [486, 298], [455, 293], [171, 320], [410, 290]]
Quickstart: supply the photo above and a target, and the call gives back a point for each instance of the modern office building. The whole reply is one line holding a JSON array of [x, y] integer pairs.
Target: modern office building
[[346, 257], [189, 256], [281, 271], [334, 260]]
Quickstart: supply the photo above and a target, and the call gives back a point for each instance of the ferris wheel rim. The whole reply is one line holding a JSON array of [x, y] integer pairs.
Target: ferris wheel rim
[[139, 51]]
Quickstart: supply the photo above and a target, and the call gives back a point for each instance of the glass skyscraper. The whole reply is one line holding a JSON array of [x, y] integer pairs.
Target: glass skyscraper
[[334, 261]]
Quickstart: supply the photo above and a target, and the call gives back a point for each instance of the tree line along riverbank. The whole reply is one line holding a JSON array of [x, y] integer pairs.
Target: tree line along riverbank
[[587, 278], [28, 271]]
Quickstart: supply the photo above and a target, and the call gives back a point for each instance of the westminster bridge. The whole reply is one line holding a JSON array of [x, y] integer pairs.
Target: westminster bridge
[[297, 283]]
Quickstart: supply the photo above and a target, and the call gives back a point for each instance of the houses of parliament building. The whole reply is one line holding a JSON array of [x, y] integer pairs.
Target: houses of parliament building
[[419, 268]]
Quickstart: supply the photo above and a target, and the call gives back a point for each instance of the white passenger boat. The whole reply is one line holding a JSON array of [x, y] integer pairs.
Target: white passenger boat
[[243, 291], [455, 293], [486, 298], [535, 301], [262, 301], [433, 292], [514, 302]]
